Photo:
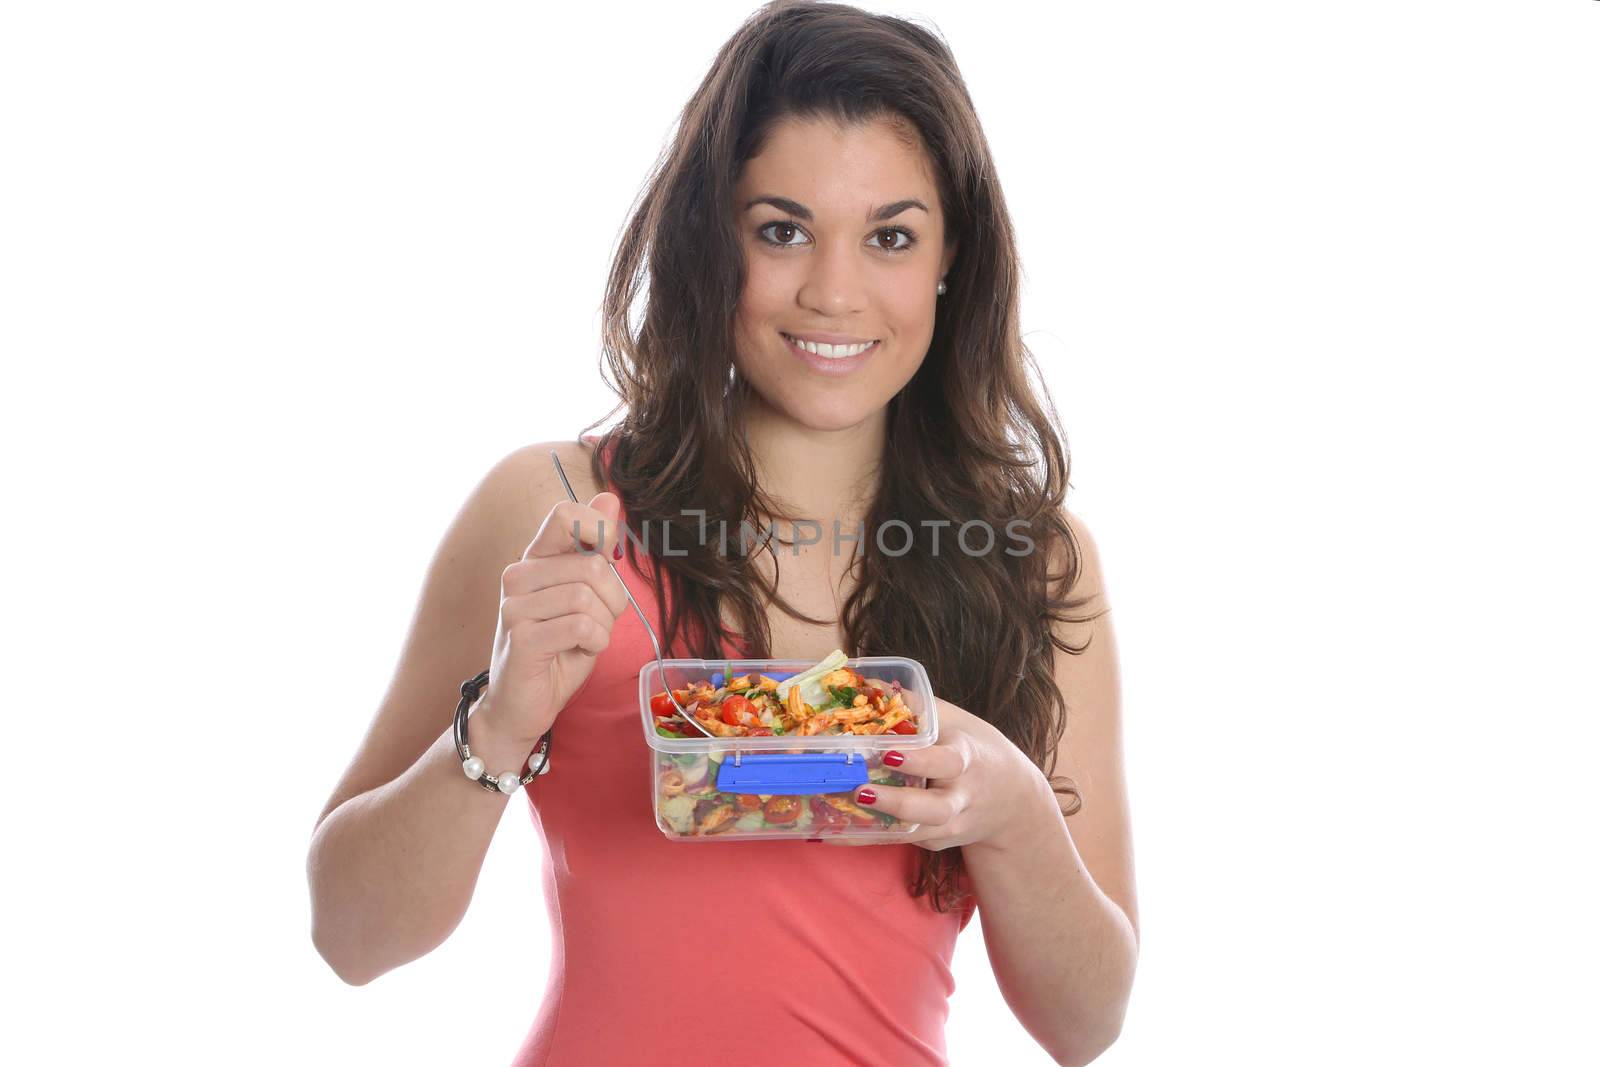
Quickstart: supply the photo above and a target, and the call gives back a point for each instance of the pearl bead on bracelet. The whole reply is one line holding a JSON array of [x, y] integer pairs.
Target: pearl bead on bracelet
[[473, 766]]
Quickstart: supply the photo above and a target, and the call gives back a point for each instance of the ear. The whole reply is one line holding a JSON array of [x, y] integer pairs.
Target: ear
[[949, 258]]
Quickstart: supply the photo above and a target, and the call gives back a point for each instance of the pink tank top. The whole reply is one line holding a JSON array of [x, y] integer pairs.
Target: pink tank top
[[760, 953]]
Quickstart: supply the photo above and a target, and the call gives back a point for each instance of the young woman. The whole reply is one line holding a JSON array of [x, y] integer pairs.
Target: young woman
[[829, 188]]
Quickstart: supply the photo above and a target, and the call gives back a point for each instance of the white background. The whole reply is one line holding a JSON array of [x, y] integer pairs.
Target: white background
[[1315, 287]]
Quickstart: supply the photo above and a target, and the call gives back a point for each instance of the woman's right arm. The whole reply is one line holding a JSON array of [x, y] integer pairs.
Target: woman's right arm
[[396, 853]]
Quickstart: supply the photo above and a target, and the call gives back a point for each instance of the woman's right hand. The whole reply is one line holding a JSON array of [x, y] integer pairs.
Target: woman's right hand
[[557, 607]]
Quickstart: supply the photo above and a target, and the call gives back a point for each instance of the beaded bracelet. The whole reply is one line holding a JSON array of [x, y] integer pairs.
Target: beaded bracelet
[[472, 766]]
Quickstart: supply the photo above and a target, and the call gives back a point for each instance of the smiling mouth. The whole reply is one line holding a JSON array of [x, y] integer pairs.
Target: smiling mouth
[[829, 351]]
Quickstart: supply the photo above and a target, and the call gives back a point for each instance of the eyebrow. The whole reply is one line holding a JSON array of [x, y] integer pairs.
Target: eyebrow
[[794, 207]]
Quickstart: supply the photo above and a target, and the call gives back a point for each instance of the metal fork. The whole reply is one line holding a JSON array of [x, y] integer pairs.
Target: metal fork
[[648, 629]]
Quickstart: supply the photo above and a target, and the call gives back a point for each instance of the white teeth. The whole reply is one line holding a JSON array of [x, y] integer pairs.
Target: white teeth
[[831, 351]]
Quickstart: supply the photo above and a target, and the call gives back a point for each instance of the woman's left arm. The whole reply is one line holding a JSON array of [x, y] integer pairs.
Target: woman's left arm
[[1055, 895]]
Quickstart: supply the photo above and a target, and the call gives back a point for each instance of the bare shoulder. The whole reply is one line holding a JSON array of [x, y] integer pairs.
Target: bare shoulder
[[1088, 580], [1091, 577], [524, 485]]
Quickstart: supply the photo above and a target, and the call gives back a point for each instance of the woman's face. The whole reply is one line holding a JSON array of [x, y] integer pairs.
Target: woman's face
[[846, 255]]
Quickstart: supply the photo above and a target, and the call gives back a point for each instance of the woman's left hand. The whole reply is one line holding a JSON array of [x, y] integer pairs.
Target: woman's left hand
[[981, 788]]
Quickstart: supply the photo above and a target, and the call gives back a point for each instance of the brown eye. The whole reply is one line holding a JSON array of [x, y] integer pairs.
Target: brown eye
[[893, 232], [790, 227]]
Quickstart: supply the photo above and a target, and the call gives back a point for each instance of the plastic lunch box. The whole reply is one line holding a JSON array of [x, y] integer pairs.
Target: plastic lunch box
[[822, 770]]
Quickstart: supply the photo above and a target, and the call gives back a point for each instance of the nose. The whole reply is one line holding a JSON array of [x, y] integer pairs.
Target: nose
[[835, 283]]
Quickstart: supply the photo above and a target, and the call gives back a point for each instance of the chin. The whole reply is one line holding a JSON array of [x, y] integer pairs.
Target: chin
[[819, 411], [813, 407], [841, 421]]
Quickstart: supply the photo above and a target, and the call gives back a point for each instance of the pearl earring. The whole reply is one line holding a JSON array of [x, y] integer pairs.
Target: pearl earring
[[940, 290]]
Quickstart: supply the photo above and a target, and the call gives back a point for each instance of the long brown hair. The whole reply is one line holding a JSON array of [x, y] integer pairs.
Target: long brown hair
[[971, 437]]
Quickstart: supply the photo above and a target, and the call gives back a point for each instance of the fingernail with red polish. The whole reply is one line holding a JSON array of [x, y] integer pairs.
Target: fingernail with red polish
[[894, 759], [866, 796]]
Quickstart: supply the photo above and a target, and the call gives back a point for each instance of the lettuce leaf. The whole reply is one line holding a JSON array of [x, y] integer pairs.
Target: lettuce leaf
[[808, 680]]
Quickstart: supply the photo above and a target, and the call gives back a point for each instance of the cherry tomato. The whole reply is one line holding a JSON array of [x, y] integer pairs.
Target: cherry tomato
[[761, 731], [903, 727], [830, 817], [661, 703], [782, 809], [747, 802], [737, 711]]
